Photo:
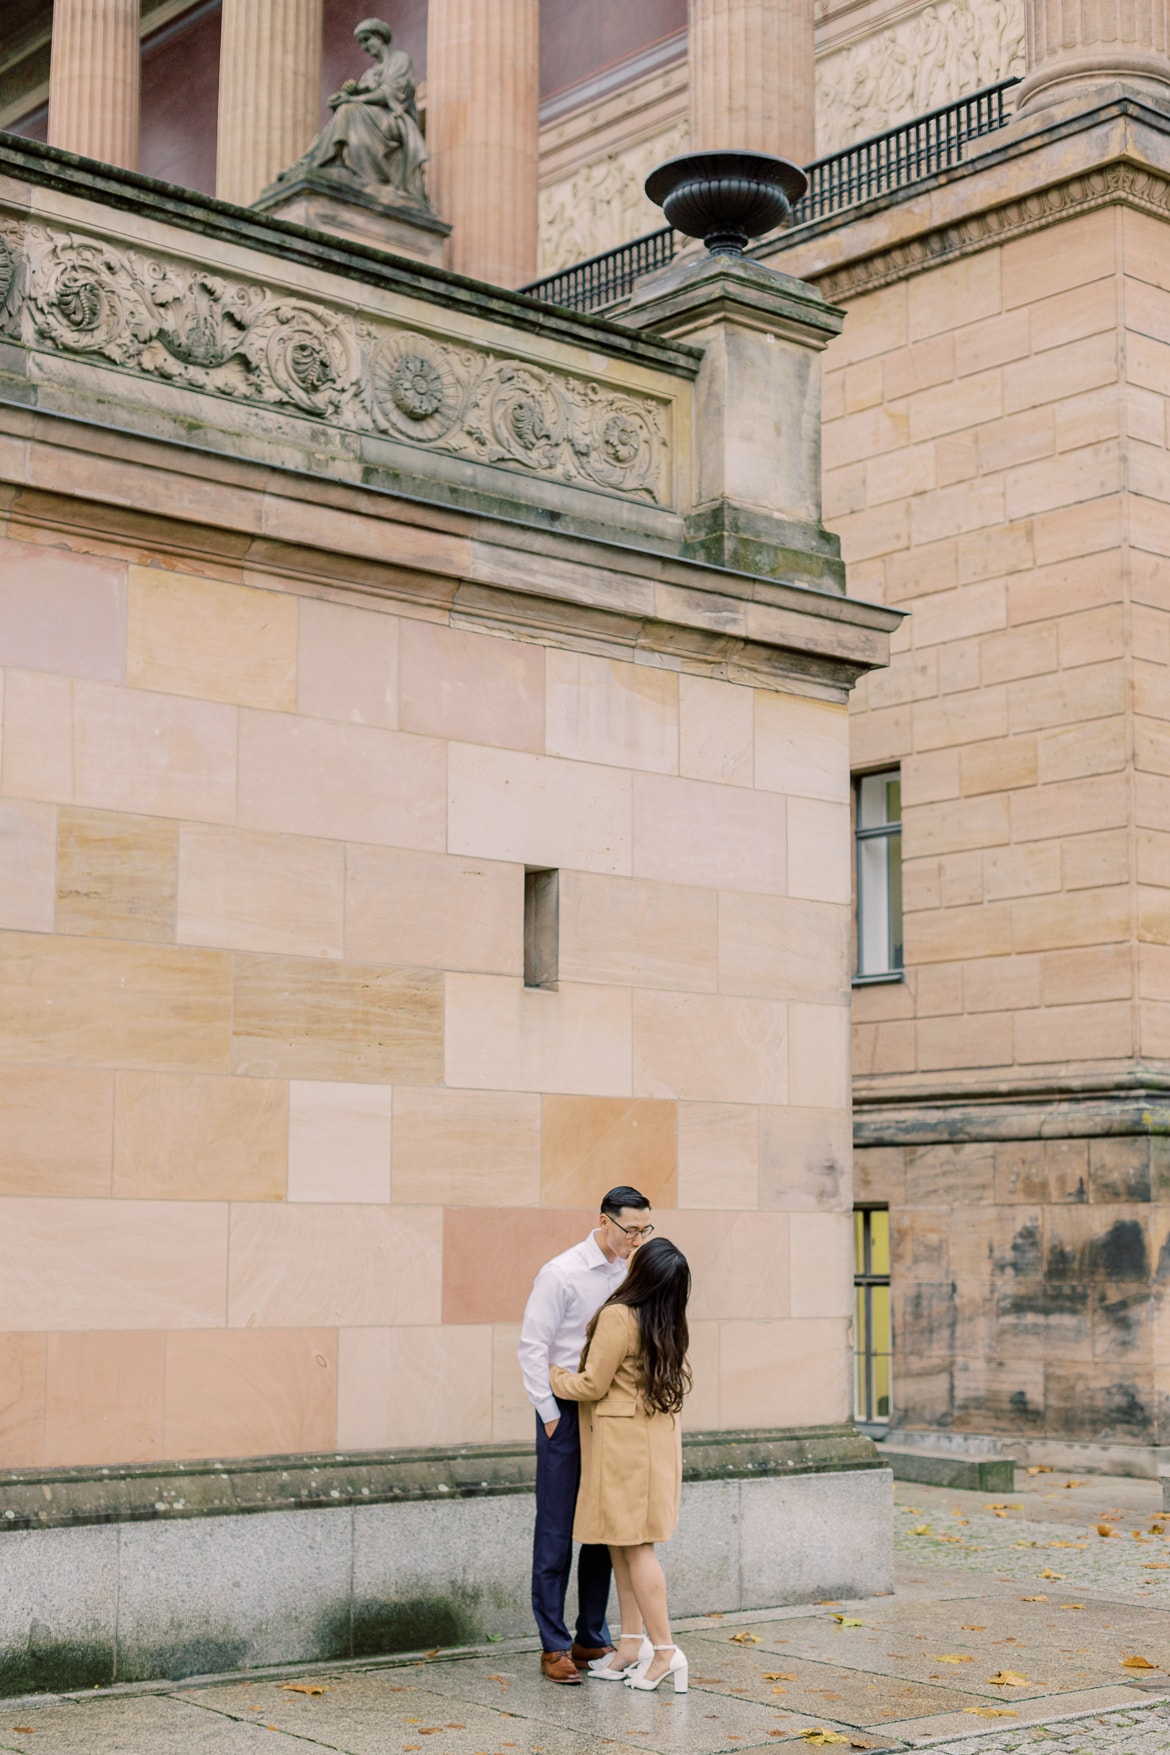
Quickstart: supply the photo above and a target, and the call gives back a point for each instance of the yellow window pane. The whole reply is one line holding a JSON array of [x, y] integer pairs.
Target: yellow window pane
[[862, 1410], [879, 1242], [858, 1241], [880, 1316], [881, 1386], [862, 1337]]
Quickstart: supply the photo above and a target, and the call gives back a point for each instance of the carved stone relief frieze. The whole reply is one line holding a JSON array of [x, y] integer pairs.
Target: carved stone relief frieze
[[603, 204], [900, 71], [173, 321]]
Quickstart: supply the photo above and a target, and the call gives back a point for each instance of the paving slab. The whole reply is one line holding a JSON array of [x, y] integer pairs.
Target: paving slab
[[156, 1724]]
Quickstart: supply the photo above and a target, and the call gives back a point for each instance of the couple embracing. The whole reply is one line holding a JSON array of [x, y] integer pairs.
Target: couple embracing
[[603, 1352]]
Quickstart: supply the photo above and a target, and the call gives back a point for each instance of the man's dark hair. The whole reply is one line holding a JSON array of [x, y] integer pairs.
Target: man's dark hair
[[617, 1198]]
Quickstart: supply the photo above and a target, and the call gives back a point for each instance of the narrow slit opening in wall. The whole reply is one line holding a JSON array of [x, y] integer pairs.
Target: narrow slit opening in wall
[[541, 928]]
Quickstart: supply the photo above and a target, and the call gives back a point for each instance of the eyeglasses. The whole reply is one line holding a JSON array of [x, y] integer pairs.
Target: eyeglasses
[[639, 1231]]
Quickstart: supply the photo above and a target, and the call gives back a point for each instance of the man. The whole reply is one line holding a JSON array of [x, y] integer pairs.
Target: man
[[567, 1293]]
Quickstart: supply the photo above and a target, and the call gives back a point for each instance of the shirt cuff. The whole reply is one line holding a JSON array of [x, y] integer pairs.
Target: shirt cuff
[[548, 1410]]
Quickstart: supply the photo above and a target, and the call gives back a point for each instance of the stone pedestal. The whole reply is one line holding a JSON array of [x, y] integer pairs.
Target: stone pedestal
[[757, 435], [753, 77], [325, 204], [93, 79], [483, 95], [1071, 46], [269, 91]]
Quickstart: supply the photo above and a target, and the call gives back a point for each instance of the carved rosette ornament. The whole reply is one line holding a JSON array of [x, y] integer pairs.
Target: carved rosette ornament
[[414, 387], [76, 295]]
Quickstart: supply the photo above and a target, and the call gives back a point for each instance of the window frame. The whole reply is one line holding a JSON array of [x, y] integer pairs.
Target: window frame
[[865, 1280], [879, 831]]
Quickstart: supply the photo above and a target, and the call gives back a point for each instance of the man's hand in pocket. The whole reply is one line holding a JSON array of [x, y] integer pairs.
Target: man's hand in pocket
[[550, 1426]]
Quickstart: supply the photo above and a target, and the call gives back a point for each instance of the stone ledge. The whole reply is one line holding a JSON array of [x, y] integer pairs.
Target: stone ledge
[[149, 1492], [1091, 1108], [979, 1474]]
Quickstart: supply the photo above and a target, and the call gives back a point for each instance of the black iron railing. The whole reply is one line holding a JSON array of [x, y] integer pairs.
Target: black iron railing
[[600, 280], [902, 155], [877, 166]]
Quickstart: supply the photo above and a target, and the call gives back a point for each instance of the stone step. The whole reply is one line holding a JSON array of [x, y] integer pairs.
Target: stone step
[[933, 1468]]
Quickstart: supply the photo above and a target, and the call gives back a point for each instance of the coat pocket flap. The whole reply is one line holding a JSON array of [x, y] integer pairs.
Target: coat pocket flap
[[624, 1406]]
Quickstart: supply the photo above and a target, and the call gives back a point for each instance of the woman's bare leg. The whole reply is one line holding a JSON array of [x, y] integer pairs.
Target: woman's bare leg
[[631, 1639], [649, 1586]]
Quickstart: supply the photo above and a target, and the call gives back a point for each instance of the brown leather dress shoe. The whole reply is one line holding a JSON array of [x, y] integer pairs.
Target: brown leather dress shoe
[[583, 1655], [558, 1666]]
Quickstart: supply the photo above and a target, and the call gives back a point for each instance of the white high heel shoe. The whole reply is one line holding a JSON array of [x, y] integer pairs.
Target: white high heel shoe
[[676, 1669], [604, 1670]]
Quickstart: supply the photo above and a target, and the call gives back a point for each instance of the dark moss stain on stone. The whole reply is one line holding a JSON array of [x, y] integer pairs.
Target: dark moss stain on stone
[[416, 1623], [48, 1665], [1127, 1314], [1025, 1256], [1121, 1253]]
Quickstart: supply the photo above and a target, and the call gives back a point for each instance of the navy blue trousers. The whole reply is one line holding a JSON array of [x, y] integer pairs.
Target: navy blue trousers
[[558, 1475]]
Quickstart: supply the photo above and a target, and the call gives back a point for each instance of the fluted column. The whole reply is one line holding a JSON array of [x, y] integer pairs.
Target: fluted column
[[1071, 44], [269, 91], [483, 97], [93, 79], [753, 77]]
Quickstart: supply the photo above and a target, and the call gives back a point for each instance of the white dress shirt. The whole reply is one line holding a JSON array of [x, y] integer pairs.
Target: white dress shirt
[[566, 1294]]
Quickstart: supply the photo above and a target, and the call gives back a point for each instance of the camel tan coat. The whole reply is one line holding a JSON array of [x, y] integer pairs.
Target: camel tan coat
[[631, 1459]]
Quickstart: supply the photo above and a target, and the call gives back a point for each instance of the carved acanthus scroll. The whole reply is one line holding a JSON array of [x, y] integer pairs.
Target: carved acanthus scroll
[[176, 322]]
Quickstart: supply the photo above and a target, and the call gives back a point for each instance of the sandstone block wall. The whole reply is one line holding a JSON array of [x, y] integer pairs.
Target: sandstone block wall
[[283, 1136], [995, 446]]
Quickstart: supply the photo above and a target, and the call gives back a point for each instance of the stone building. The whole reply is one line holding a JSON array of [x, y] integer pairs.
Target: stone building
[[367, 630], [286, 668]]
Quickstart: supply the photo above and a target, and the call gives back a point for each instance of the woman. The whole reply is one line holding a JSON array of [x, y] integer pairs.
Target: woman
[[374, 136], [634, 1374]]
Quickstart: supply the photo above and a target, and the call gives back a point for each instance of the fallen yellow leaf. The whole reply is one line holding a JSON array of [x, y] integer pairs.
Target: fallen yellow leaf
[[304, 1688], [847, 1621], [991, 1712], [1073, 1484], [1072, 1605], [1033, 1599], [1157, 1529], [951, 1657], [972, 1627], [1008, 1679], [1137, 1662], [1155, 1565], [1038, 1469], [1068, 1544], [779, 1690], [1048, 1573], [1104, 1529], [777, 1676], [744, 1639], [921, 1529], [819, 1739]]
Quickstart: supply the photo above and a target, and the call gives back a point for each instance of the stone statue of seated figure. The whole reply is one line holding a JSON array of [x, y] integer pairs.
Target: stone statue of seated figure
[[373, 138]]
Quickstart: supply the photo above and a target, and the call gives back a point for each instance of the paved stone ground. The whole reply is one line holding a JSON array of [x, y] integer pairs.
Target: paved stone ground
[[1023, 1587]]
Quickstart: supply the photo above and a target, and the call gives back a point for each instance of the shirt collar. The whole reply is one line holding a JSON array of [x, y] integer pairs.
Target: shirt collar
[[595, 1256]]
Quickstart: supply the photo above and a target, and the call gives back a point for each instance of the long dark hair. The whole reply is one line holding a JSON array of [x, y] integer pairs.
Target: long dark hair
[[656, 1289]]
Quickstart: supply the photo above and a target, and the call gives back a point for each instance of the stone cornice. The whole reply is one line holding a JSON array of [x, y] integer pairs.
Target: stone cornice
[[1032, 174], [1130, 1102], [1128, 183], [321, 536]]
